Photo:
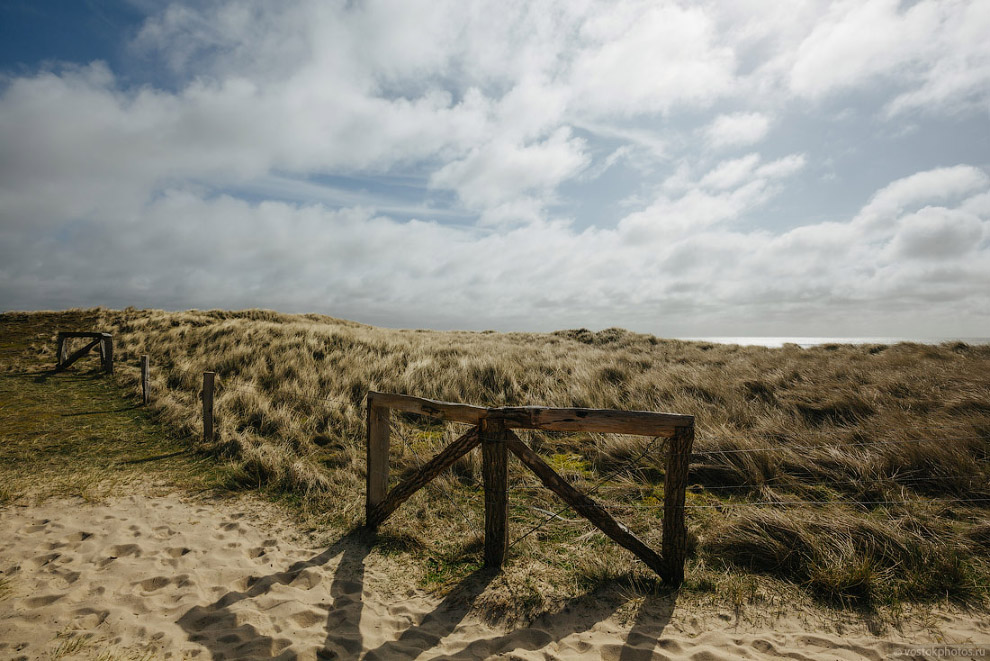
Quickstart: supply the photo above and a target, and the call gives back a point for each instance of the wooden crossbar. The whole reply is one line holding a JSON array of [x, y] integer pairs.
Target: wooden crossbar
[[608, 421]]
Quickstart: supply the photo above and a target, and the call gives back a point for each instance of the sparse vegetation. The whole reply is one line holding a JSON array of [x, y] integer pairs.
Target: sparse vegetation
[[886, 439]]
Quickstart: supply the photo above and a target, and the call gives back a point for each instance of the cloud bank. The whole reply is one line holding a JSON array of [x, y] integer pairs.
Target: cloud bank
[[659, 166]]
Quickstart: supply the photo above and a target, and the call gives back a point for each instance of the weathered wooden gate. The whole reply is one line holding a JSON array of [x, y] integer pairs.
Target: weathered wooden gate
[[102, 340], [493, 431]]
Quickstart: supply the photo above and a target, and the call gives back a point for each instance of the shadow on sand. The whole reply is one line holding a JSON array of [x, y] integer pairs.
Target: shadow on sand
[[216, 626]]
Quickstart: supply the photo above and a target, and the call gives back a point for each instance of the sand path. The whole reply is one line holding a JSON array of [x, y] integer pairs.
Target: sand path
[[172, 577]]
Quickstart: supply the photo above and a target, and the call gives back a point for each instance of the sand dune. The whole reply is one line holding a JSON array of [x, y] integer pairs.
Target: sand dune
[[170, 577]]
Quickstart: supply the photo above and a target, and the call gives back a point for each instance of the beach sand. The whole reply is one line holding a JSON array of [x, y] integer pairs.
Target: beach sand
[[173, 577]]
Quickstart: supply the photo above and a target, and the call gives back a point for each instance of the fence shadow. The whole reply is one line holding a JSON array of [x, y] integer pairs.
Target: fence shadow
[[216, 625]]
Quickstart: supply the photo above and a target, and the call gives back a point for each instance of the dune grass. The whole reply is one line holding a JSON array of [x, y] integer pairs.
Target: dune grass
[[887, 440], [76, 434]]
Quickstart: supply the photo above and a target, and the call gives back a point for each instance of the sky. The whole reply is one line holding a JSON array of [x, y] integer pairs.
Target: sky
[[716, 168]]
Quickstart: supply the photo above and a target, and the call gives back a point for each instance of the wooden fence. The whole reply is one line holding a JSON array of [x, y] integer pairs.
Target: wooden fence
[[102, 340], [492, 429]]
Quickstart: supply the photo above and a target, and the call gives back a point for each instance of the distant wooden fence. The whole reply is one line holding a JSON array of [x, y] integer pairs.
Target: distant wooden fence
[[493, 431], [102, 340]]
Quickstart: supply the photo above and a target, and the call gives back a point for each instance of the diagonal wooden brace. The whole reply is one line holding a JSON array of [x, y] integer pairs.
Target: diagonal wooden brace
[[76, 355], [584, 505], [402, 492]]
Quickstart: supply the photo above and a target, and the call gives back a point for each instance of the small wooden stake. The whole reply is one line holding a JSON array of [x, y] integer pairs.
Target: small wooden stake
[[145, 381], [674, 548], [494, 461], [379, 420], [208, 378], [62, 351], [106, 353]]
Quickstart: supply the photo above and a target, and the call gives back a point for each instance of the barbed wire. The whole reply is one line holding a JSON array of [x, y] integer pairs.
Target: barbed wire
[[760, 503], [590, 493], [251, 388], [835, 447], [434, 483]]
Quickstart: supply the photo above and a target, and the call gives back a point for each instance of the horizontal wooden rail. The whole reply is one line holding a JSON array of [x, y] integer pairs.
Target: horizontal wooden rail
[[608, 421], [443, 410]]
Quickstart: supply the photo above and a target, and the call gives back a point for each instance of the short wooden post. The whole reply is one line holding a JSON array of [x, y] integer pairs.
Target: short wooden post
[[494, 460], [62, 352], [208, 379], [674, 548], [145, 381], [107, 353], [379, 420]]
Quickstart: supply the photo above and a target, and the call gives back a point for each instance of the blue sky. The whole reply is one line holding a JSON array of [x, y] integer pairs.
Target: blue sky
[[679, 168]]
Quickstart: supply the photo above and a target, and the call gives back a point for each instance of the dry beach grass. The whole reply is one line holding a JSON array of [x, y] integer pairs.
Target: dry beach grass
[[857, 475]]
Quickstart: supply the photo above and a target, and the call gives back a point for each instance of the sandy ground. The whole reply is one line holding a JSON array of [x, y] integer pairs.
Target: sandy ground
[[169, 577]]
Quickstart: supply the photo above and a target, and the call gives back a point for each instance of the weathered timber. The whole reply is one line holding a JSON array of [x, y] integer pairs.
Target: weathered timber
[[443, 410], [494, 461], [208, 382], [402, 492], [106, 353], [606, 421], [377, 457], [674, 546], [644, 423], [584, 505], [62, 352], [145, 381], [76, 355], [98, 339]]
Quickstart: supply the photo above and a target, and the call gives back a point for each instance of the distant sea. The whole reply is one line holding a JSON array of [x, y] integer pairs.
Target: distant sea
[[806, 342]]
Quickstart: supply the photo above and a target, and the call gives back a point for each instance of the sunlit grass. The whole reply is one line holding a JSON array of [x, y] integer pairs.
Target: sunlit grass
[[825, 424]]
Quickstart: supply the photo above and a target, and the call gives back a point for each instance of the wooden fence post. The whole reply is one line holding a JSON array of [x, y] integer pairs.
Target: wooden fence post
[[494, 460], [145, 381], [379, 420], [674, 549], [208, 379], [106, 352], [62, 350]]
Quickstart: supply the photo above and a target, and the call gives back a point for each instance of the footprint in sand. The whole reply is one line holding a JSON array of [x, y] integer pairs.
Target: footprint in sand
[[307, 579], [78, 537], [306, 619], [42, 560], [124, 550], [37, 526], [154, 583], [90, 618], [177, 552], [44, 600]]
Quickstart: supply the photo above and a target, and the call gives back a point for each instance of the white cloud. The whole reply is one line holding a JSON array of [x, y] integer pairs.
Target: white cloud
[[934, 52], [739, 129], [499, 107], [643, 57], [499, 172], [937, 233], [911, 192], [725, 193]]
